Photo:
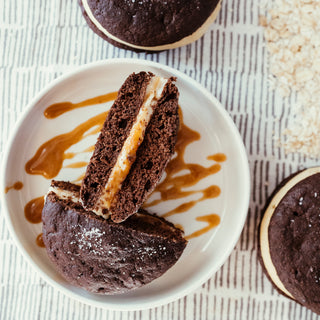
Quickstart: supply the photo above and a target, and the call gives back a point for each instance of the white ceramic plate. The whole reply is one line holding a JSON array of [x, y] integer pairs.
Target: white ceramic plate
[[202, 112]]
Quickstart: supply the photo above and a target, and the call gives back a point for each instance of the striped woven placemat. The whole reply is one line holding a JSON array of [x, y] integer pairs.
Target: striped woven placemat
[[39, 40]]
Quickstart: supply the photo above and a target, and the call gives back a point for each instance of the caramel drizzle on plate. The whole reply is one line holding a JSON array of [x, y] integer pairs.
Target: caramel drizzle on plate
[[208, 193], [212, 220], [71, 155], [33, 210], [80, 164], [219, 157], [78, 180], [39, 240], [57, 109], [171, 187], [49, 158], [16, 186]]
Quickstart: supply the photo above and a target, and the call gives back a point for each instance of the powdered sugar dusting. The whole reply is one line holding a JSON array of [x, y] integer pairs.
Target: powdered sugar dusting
[[92, 240], [89, 240], [151, 251], [292, 32]]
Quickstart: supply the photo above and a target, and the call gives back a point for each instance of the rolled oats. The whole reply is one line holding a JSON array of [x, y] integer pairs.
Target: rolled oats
[[292, 33]]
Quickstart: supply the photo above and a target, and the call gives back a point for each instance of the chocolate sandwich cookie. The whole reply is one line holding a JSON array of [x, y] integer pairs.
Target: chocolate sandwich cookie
[[150, 25], [135, 144], [101, 256], [290, 238]]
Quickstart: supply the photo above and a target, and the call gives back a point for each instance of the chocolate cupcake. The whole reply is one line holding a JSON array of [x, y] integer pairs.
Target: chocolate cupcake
[[101, 256], [149, 25], [290, 238]]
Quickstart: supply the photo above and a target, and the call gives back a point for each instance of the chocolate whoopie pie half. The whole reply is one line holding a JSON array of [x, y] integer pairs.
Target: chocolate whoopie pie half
[[135, 144], [289, 238], [101, 256], [149, 25]]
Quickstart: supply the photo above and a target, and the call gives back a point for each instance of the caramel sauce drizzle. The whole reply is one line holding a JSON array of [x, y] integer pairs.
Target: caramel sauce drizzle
[[208, 193], [49, 157], [16, 186], [218, 157], [179, 226], [78, 180], [94, 131], [48, 161], [39, 240], [89, 149], [33, 210], [57, 109], [80, 164], [171, 187], [212, 220], [69, 155]]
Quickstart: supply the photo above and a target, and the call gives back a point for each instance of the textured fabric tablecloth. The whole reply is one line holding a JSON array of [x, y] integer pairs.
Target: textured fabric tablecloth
[[40, 40]]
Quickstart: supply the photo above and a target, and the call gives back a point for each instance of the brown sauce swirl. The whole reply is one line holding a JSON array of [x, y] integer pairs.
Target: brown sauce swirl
[[48, 159], [94, 131], [39, 240], [16, 186], [69, 155], [33, 210], [171, 187], [89, 149], [212, 220], [179, 226], [75, 165], [78, 180], [218, 157], [208, 193], [57, 109]]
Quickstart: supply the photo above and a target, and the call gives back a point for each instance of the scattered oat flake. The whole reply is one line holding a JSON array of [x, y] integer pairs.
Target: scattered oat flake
[[292, 33]]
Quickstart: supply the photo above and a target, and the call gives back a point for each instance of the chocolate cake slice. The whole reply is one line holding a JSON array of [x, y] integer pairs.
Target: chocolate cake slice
[[135, 144], [102, 256]]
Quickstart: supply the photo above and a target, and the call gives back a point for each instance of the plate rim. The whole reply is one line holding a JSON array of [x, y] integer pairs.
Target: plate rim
[[242, 155]]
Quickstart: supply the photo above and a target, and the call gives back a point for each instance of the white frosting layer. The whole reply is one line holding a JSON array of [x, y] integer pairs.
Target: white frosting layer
[[64, 194], [264, 234], [189, 39], [129, 149]]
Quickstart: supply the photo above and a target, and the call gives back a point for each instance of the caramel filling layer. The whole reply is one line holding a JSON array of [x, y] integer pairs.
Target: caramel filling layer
[[64, 194]]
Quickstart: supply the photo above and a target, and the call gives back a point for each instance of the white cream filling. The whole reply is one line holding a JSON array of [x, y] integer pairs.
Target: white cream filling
[[127, 154], [189, 39], [64, 194], [264, 235]]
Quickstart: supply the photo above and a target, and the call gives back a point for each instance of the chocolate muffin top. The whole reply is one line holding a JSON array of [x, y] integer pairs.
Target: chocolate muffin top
[[101, 256], [292, 227], [147, 23]]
